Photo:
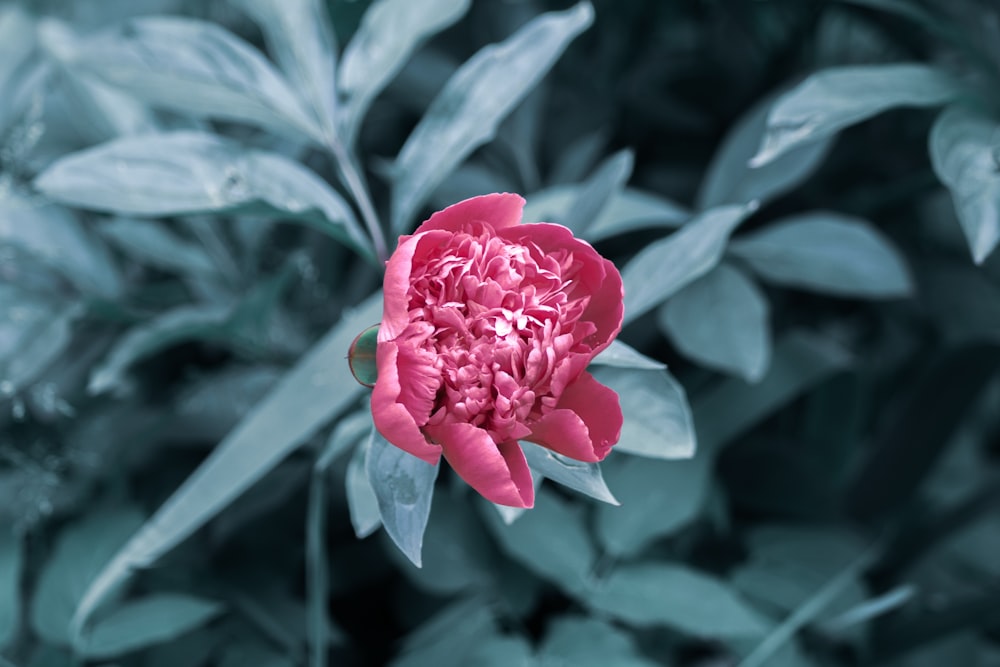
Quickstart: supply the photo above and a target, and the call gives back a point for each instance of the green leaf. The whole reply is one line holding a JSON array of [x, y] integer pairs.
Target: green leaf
[[390, 31], [198, 68], [154, 244], [550, 539], [253, 651], [314, 391], [622, 356], [184, 172], [661, 594], [627, 210], [81, 550], [588, 642], [827, 252], [404, 489], [730, 180], [594, 194], [182, 324], [151, 620], [11, 562], [657, 419], [33, 333], [299, 36], [663, 267], [800, 360], [54, 236], [657, 499], [721, 321], [832, 99], [448, 637], [467, 112], [964, 146], [577, 475], [361, 500]]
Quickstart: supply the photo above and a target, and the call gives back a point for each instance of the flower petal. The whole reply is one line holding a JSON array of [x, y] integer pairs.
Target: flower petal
[[585, 424], [392, 419], [498, 472], [499, 210]]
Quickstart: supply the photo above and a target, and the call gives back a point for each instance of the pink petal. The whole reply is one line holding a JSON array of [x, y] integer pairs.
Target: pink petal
[[392, 418], [499, 210], [585, 424], [396, 284], [498, 472], [600, 277]]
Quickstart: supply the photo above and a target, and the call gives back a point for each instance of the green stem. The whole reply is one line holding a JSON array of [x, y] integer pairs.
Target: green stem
[[353, 180]]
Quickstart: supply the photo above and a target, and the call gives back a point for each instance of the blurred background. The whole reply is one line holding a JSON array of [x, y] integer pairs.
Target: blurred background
[[188, 198]]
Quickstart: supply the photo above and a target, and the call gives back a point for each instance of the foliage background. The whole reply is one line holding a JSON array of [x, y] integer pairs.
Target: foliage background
[[186, 253]]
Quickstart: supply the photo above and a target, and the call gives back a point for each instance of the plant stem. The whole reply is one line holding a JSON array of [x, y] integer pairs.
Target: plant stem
[[353, 180]]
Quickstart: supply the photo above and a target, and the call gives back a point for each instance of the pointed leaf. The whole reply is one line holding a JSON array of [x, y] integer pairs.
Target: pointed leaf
[[827, 252], [832, 99], [301, 39], [151, 620], [11, 562], [155, 244], [657, 499], [54, 236], [964, 147], [621, 355], [721, 321], [404, 488], [730, 180], [588, 642], [312, 393], [657, 419], [662, 268], [467, 112], [390, 31], [596, 193], [198, 68], [361, 500], [33, 333], [577, 475], [550, 539], [183, 172], [674, 596], [182, 324]]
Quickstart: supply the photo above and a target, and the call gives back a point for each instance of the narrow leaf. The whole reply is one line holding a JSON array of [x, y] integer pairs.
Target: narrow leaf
[[53, 235], [155, 244], [674, 596], [361, 500], [182, 324], [964, 147], [11, 562], [832, 99], [597, 191], [657, 499], [301, 39], [657, 419], [467, 112], [198, 68], [827, 252], [721, 321], [404, 488], [588, 642], [151, 620], [314, 391], [730, 180], [185, 172], [390, 31], [577, 475], [662, 268]]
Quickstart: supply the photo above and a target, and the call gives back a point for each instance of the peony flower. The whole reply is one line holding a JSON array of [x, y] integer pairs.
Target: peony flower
[[487, 330]]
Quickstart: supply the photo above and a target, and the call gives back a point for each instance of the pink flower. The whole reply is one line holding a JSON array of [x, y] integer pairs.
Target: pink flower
[[487, 330]]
